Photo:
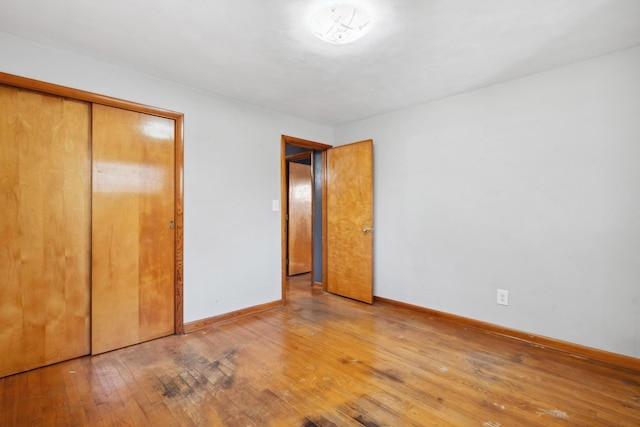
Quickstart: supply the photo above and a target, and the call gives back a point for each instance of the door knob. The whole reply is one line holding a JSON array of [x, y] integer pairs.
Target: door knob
[[367, 229]]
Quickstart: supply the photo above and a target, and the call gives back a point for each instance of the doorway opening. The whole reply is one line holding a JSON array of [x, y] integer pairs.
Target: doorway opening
[[303, 214], [300, 204]]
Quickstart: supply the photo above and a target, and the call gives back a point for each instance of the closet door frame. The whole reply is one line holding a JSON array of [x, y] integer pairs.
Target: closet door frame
[[67, 92]]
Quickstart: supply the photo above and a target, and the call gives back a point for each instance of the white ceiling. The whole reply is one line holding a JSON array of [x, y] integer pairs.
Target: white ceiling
[[260, 52]]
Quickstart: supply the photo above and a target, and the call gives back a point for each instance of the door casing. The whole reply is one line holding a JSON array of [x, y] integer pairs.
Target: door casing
[[316, 146]]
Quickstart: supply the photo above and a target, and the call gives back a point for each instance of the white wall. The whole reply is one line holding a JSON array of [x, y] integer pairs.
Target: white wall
[[232, 172], [531, 186]]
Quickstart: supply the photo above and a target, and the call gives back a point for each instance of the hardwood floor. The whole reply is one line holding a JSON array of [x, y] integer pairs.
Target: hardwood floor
[[323, 360]]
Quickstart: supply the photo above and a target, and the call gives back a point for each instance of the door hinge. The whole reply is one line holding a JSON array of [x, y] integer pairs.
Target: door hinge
[[286, 217], [286, 262], [172, 225]]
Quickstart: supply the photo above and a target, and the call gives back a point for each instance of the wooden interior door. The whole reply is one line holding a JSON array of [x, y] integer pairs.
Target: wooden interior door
[[45, 183], [350, 221], [133, 242], [300, 236]]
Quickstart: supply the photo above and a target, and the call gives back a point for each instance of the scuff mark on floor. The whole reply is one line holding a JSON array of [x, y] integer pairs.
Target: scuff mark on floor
[[627, 381], [491, 424], [554, 413]]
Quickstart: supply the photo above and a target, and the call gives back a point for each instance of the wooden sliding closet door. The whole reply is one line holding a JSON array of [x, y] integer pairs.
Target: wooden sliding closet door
[[132, 231], [45, 184]]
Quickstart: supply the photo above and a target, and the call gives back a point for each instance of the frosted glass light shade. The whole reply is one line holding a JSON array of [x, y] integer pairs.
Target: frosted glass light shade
[[340, 23]]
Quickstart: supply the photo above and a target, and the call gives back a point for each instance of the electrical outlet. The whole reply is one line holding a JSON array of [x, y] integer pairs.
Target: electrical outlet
[[503, 297]]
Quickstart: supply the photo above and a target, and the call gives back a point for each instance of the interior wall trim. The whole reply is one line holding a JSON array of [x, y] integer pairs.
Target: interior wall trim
[[575, 350], [221, 318], [81, 95], [305, 143]]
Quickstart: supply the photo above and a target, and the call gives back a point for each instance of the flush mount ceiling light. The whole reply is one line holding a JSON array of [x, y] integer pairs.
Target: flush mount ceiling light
[[340, 23]]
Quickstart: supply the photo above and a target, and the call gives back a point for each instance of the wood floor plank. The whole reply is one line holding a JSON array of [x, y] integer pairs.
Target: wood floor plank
[[82, 404], [384, 373], [337, 386], [323, 360], [559, 369]]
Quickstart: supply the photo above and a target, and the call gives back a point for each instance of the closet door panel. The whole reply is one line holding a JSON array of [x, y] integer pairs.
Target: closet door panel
[[133, 242], [45, 227]]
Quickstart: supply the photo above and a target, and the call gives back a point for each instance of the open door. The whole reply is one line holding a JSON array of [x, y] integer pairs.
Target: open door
[[300, 232], [349, 188]]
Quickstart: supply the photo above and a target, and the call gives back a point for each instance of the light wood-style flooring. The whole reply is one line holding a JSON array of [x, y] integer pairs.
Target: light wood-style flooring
[[324, 360]]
